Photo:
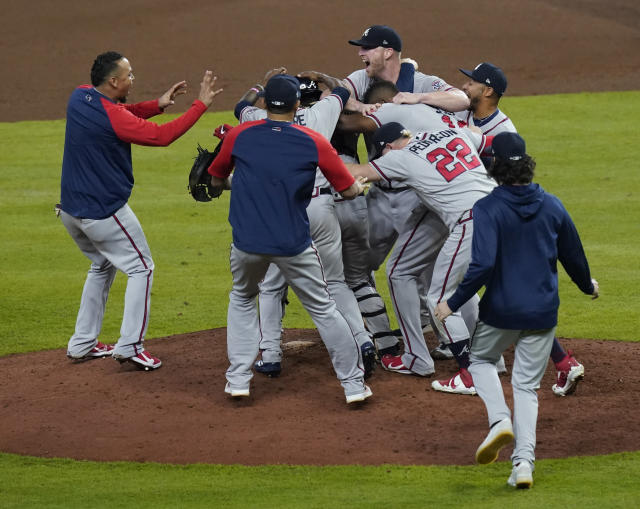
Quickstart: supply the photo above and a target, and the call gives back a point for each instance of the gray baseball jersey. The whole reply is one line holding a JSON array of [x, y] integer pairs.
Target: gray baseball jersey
[[430, 164], [445, 170], [360, 82], [495, 123]]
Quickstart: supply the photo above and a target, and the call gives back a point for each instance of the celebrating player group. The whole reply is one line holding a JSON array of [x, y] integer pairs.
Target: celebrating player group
[[446, 197]]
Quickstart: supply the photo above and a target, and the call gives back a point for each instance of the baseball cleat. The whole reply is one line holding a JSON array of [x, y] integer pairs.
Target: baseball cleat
[[100, 350], [359, 396], [460, 383], [144, 360], [270, 369], [500, 435], [441, 353], [521, 476], [570, 372], [394, 363], [236, 393], [368, 358]]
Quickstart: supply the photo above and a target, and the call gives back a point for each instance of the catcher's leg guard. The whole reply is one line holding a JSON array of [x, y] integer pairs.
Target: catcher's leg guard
[[374, 314]]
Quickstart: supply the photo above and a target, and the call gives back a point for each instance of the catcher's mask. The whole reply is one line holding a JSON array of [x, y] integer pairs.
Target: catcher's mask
[[309, 91]]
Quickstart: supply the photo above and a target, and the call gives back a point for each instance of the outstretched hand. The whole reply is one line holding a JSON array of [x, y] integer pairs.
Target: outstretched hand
[[167, 99], [207, 88]]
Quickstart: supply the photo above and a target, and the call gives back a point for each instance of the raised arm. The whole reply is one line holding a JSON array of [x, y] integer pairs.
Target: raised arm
[[450, 100]]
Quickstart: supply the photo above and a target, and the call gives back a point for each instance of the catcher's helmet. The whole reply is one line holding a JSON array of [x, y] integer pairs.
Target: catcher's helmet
[[309, 91]]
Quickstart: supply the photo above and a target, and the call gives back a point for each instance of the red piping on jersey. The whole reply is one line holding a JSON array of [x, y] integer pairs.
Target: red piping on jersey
[[375, 119], [393, 294], [503, 120], [377, 168], [146, 294], [355, 92], [339, 99]]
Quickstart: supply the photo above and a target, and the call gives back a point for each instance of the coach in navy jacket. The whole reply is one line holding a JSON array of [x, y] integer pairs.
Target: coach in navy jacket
[[97, 179], [520, 232]]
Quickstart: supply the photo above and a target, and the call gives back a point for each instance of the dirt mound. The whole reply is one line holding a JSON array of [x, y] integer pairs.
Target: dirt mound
[[101, 410]]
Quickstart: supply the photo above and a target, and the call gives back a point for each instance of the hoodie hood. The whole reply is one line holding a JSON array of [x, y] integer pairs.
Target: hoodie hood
[[524, 200]]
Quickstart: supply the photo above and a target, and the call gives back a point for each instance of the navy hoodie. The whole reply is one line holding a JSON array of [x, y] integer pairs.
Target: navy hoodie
[[519, 234]]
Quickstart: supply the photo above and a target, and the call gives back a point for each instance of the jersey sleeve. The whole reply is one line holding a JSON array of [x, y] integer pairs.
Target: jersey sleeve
[[385, 114], [249, 113], [391, 166], [323, 116], [145, 109], [359, 83], [571, 253], [133, 129], [481, 142]]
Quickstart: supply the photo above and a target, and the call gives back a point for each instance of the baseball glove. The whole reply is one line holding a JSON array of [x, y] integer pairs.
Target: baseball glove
[[199, 179]]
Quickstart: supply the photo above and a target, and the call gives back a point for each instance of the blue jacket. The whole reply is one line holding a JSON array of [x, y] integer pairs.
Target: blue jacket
[[97, 176], [275, 169], [519, 234]]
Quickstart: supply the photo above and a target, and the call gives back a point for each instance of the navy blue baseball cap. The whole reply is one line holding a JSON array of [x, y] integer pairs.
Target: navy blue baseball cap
[[379, 35], [509, 146], [388, 133], [282, 91], [490, 75]]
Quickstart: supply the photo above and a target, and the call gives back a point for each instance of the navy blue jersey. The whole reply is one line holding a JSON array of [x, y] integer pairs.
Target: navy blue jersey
[[275, 167], [97, 176]]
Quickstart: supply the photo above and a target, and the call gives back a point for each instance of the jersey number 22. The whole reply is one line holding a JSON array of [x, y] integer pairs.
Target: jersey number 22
[[445, 159]]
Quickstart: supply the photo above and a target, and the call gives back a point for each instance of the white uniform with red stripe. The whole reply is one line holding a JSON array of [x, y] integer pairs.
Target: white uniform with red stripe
[[495, 123], [322, 117], [445, 170], [415, 234]]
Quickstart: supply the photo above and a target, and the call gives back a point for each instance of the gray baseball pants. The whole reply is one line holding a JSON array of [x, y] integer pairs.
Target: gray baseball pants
[[304, 275], [325, 232], [532, 349], [112, 244]]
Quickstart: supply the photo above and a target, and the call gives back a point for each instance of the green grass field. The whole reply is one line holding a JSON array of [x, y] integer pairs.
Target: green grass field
[[586, 156]]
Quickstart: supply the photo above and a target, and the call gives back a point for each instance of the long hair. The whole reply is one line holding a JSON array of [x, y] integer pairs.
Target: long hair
[[511, 172]]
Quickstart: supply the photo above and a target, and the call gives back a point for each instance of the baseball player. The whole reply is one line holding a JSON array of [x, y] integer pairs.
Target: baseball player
[[518, 222], [275, 169], [419, 236], [486, 85], [321, 116], [97, 178], [379, 48], [443, 166]]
